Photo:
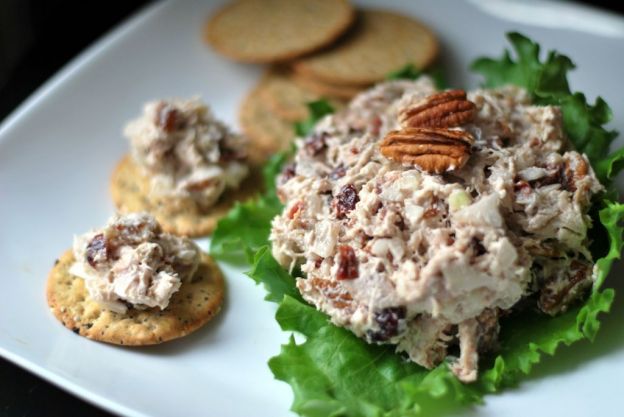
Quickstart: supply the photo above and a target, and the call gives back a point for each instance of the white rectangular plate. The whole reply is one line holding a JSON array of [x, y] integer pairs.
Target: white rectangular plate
[[58, 149]]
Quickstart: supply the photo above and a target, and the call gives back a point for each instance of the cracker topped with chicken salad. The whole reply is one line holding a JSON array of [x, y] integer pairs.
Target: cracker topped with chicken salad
[[130, 283], [185, 167]]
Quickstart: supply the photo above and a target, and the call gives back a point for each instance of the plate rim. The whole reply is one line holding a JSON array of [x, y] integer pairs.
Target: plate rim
[[105, 42]]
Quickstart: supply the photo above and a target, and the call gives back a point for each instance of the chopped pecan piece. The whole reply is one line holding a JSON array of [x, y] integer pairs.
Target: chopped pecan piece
[[488, 328], [445, 109], [553, 176], [168, 118], [573, 170], [375, 125], [430, 212], [332, 291], [563, 289], [431, 149], [347, 263]]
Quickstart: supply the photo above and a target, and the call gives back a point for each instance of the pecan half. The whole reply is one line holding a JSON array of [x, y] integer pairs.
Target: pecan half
[[445, 109], [433, 150]]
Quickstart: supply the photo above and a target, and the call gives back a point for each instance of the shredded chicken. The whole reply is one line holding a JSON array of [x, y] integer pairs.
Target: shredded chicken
[[131, 262], [427, 261], [186, 152]]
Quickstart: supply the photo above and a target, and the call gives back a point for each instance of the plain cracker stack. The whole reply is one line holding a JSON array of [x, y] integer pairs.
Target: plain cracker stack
[[130, 191], [286, 98], [264, 128], [196, 303], [379, 43], [324, 89], [276, 30]]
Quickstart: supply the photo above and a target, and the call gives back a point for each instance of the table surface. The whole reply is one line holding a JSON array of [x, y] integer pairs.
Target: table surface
[[35, 50]]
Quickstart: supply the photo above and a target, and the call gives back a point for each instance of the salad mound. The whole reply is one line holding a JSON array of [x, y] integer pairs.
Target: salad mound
[[333, 372], [432, 262]]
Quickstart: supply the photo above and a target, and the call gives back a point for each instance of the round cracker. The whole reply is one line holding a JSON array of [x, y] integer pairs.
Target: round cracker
[[283, 96], [130, 191], [286, 98], [380, 42], [266, 130], [276, 30], [342, 92], [192, 306]]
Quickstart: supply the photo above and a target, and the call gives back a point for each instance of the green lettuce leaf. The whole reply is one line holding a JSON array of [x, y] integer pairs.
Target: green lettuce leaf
[[276, 280], [317, 109], [547, 82], [611, 165], [525, 339], [244, 229], [247, 226], [411, 72], [527, 71], [334, 373]]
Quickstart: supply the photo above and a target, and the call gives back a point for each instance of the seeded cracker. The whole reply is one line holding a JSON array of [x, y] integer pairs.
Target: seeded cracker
[[276, 30], [195, 304], [130, 192], [379, 43], [266, 131]]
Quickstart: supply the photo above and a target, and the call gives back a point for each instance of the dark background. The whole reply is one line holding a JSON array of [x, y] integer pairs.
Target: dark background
[[36, 39]]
